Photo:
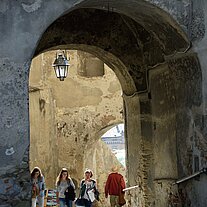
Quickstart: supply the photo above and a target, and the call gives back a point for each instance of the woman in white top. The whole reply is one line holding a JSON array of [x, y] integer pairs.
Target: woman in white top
[[87, 185], [62, 183]]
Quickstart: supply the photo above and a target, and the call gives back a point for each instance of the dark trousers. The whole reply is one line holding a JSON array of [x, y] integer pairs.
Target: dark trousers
[[64, 202], [87, 203]]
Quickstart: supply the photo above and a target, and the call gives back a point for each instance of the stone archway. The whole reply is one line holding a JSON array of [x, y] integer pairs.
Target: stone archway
[[145, 47], [128, 46]]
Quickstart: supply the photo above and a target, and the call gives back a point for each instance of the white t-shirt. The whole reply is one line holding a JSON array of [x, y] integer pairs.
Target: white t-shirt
[[89, 185], [61, 188]]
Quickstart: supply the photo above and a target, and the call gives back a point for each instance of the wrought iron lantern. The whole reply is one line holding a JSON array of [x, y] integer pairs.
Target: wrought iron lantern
[[61, 65]]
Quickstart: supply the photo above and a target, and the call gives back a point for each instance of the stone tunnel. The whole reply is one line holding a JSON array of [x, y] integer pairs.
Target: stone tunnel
[[156, 48]]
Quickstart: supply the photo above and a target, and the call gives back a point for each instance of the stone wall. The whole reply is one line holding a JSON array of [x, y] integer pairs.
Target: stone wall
[[176, 110], [139, 37], [43, 144]]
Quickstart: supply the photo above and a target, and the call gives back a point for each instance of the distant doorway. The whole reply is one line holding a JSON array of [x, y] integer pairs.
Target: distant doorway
[[115, 140]]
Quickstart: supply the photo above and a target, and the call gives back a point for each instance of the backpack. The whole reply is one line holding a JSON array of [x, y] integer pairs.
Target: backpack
[[70, 193]]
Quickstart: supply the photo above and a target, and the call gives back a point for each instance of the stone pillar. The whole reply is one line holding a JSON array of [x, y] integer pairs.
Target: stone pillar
[[164, 134], [176, 99], [14, 136], [147, 167], [139, 149], [133, 148], [186, 78]]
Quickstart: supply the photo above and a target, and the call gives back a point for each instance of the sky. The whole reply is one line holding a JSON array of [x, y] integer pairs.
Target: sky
[[114, 132]]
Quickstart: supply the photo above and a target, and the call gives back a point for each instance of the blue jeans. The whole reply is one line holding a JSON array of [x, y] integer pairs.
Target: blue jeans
[[69, 203], [64, 202]]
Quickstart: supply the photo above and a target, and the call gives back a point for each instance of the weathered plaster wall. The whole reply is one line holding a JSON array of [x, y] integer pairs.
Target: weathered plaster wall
[[134, 149], [164, 134], [174, 111], [190, 14], [14, 138], [43, 139], [70, 114], [190, 137]]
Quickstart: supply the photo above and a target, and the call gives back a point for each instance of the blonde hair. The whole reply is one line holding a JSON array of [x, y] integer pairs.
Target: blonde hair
[[115, 169]]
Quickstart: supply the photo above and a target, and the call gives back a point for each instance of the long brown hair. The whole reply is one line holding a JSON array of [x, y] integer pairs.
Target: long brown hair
[[59, 177], [36, 169]]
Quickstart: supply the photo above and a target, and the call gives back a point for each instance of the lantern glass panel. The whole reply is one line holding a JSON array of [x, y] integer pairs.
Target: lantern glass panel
[[66, 71], [57, 71], [62, 71]]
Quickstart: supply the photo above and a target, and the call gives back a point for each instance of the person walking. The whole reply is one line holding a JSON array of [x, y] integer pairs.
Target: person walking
[[114, 186], [88, 189], [63, 182], [38, 187]]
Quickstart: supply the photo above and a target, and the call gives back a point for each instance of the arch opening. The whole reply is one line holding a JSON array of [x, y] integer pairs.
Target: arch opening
[[69, 116], [114, 138]]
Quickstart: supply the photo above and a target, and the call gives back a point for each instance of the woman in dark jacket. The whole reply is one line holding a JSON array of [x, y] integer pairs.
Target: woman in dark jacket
[[63, 184], [88, 185]]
